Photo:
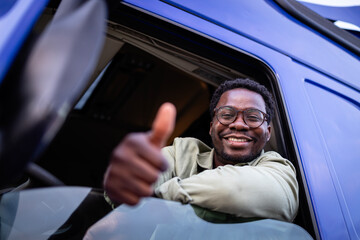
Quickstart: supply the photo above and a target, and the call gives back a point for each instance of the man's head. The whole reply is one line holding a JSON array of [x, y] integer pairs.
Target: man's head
[[240, 139]]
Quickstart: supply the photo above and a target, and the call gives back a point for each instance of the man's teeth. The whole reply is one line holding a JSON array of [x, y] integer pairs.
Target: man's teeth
[[238, 140]]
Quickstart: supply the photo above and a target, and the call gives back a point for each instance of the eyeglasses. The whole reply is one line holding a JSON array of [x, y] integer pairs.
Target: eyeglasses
[[251, 117]]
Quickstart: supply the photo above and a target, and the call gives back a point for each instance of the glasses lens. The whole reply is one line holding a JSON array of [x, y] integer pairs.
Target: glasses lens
[[226, 115], [253, 118]]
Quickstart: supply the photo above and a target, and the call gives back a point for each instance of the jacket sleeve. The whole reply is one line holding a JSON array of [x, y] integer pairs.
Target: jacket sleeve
[[268, 189]]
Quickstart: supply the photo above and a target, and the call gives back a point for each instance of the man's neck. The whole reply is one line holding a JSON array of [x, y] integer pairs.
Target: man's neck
[[220, 161], [217, 162]]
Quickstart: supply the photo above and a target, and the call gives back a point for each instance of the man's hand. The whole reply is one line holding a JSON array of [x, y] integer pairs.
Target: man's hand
[[137, 161]]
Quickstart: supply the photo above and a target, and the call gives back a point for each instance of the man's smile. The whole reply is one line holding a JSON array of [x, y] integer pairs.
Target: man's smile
[[232, 139], [236, 140]]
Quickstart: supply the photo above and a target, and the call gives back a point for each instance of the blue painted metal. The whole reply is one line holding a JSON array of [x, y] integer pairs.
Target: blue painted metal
[[320, 85], [263, 22], [6, 6], [17, 18], [319, 82]]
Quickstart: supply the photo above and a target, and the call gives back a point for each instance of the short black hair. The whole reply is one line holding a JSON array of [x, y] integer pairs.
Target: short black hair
[[247, 84]]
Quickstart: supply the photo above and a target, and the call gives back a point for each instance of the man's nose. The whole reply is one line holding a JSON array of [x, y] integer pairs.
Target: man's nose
[[239, 123]]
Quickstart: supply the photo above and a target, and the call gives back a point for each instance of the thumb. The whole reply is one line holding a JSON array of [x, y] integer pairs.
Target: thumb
[[163, 125]]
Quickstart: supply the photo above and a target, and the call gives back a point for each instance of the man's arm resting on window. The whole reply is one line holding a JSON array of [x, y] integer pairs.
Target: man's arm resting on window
[[269, 190]]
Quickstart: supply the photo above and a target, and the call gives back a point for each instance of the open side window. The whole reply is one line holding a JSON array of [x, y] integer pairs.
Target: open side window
[[145, 62]]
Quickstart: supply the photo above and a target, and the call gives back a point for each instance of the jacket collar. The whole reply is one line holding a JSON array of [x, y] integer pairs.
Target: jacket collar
[[205, 160]]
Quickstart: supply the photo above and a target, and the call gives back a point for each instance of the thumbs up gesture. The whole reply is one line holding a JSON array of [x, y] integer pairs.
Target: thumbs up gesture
[[137, 161]]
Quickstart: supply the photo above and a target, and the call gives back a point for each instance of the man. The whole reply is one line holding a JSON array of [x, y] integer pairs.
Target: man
[[235, 177]]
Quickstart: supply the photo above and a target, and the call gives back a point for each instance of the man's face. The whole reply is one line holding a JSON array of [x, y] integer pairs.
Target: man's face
[[236, 142]]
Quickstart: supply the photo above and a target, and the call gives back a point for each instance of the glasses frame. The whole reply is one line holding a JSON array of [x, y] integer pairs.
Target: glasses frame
[[265, 115]]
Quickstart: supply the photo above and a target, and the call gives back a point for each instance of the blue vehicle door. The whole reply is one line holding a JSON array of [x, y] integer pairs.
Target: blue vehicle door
[[17, 18], [318, 79]]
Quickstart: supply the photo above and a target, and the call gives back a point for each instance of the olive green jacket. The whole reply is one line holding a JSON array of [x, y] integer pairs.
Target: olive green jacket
[[263, 188]]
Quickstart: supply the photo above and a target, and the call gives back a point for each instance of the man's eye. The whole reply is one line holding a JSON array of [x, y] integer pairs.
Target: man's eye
[[253, 118], [227, 115]]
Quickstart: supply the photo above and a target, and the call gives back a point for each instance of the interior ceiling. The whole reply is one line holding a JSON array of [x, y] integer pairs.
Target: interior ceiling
[[141, 84]]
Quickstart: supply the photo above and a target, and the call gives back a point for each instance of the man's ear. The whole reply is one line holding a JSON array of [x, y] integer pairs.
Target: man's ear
[[268, 132], [211, 123]]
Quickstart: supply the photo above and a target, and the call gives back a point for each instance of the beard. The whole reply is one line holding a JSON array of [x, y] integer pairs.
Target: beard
[[226, 158]]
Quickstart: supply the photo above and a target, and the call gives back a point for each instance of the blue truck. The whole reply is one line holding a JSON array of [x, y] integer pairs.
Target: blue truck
[[70, 70]]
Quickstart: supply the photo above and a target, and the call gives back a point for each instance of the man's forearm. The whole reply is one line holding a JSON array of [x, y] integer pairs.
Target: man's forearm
[[242, 191]]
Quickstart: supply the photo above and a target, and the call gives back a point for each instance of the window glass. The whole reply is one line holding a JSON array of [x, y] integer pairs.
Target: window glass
[[160, 219]]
